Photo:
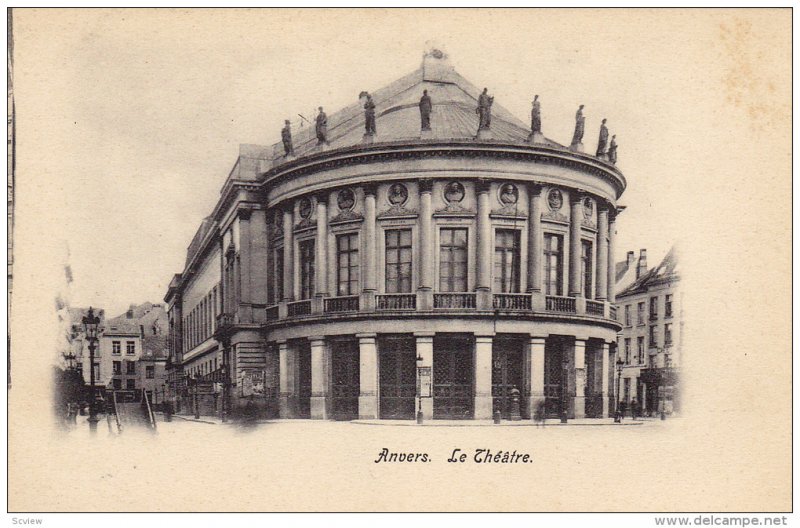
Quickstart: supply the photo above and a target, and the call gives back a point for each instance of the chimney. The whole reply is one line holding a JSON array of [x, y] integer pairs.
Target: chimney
[[630, 260], [642, 268]]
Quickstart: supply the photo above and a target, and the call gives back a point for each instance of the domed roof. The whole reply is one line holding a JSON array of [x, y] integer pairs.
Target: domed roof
[[397, 113]]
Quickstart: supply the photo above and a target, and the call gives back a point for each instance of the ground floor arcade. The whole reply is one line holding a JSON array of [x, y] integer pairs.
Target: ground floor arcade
[[460, 376]]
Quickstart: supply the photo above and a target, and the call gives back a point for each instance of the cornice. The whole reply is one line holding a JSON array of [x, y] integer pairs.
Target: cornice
[[390, 151]]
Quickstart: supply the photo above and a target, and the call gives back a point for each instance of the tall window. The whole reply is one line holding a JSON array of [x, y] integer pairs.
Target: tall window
[[130, 347], [628, 350], [653, 308], [653, 335], [506, 261], [640, 348], [117, 383], [640, 313], [453, 260], [347, 263], [306, 269], [667, 334], [627, 315], [586, 268], [278, 287], [398, 261], [553, 253], [130, 367], [150, 371], [130, 384], [116, 348], [117, 365], [668, 305]]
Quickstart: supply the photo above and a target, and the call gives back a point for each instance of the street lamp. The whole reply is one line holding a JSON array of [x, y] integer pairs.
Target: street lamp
[[90, 325], [419, 388], [564, 376], [617, 415], [69, 359]]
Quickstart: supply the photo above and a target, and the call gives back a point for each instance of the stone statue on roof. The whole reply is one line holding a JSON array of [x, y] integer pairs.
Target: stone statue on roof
[[601, 142], [580, 121], [425, 109], [612, 150], [369, 114], [321, 127], [536, 116], [286, 137], [484, 110]]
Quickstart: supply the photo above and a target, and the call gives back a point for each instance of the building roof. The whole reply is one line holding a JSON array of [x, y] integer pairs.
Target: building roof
[[397, 115], [666, 271]]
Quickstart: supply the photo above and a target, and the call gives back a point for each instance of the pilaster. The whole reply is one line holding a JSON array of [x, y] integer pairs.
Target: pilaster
[[370, 271], [483, 377], [535, 238], [425, 355], [368, 376], [579, 399], [536, 398], [575, 244], [426, 266], [319, 378]]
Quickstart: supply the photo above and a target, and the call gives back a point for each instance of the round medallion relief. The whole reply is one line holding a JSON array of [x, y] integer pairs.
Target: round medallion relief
[[305, 208], [398, 194], [453, 192], [508, 194], [588, 207], [555, 199], [346, 200]]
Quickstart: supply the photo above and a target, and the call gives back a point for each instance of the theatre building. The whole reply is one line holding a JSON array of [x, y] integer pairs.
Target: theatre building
[[345, 279]]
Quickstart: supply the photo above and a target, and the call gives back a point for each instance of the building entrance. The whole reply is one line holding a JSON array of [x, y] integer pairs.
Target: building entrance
[[304, 380], [553, 376], [453, 374], [507, 371], [398, 377], [345, 380]]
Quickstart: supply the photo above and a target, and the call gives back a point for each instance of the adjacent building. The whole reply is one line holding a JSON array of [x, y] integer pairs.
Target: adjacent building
[[649, 305], [417, 264]]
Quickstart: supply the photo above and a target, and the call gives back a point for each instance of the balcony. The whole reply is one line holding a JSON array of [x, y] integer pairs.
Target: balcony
[[595, 308], [299, 308], [481, 302], [341, 304], [454, 301], [560, 304], [512, 301], [397, 301]]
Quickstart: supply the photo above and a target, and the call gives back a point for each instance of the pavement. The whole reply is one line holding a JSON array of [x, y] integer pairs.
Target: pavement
[[593, 422]]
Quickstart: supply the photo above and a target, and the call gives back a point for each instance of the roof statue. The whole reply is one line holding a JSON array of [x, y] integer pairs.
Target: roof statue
[[601, 142], [580, 122], [286, 137], [321, 127], [536, 116], [612, 150], [425, 110], [369, 114], [484, 110]]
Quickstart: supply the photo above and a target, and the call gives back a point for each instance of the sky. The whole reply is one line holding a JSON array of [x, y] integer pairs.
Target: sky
[[129, 121]]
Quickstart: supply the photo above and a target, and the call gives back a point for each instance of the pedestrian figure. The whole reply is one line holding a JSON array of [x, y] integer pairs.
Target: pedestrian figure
[[622, 408], [634, 409]]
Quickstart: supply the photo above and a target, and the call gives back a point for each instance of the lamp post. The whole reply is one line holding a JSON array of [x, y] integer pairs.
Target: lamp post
[[617, 415], [90, 324], [419, 389], [564, 383]]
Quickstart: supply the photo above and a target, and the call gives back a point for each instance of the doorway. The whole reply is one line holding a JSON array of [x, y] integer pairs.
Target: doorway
[[398, 376], [507, 373], [345, 379], [453, 377]]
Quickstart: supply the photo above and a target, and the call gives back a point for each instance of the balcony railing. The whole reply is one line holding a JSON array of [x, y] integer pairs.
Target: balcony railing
[[341, 304], [272, 313], [595, 308], [612, 311], [511, 301], [454, 301], [397, 301], [299, 308], [560, 304]]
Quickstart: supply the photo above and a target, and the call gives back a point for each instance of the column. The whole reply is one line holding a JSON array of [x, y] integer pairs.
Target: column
[[604, 351], [602, 253], [426, 262], [319, 378], [321, 246], [288, 253], [575, 245], [535, 240], [483, 377], [612, 233], [536, 394], [484, 282], [286, 367], [425, 352], [368, 377], [426, 267], [369, 235], [580, 378]]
